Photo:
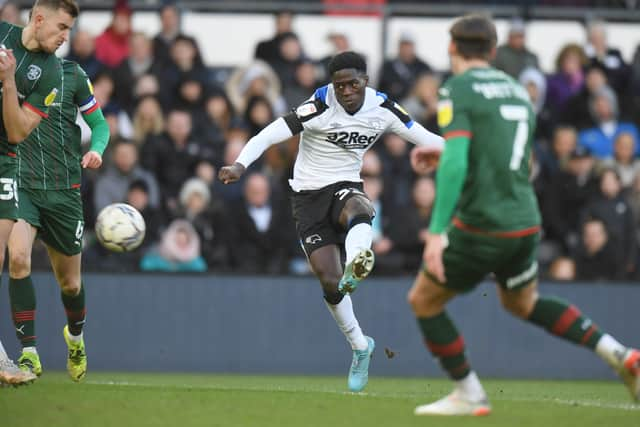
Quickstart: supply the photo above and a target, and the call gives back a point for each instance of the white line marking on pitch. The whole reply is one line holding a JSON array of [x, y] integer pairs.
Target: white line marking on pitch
[[565, 402]]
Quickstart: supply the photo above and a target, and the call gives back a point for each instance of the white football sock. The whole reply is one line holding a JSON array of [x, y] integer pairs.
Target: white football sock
[[3, 353], [348, 324], [610, 350], [75, 338], [358, 238], [471, 388], [30, 350]]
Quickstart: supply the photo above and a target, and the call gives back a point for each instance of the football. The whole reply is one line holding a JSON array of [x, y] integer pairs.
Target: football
[[120, 227]]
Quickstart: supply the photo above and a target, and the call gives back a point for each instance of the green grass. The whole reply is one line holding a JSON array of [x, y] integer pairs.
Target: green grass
[[126, 399]]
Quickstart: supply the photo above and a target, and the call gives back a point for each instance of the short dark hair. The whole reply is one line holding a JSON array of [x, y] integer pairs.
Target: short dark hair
[[347, 60], [474, 35], [69, 6]]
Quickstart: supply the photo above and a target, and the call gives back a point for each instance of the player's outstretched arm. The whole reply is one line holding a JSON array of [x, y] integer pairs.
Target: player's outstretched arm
[[19, 121], [274, 133]]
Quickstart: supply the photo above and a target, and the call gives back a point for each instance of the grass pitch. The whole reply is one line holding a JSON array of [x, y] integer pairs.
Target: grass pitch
[[127, 399]]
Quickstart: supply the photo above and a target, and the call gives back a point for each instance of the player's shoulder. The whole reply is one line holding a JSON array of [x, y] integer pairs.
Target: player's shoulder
[[6, 28], [387, 104]]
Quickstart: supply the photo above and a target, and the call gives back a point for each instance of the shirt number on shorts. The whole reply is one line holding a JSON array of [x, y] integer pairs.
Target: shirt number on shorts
[[519, 114], [9, 187], [79, 230]]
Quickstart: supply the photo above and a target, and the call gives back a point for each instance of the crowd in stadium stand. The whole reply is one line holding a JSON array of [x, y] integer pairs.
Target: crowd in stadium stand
[[173, 126]]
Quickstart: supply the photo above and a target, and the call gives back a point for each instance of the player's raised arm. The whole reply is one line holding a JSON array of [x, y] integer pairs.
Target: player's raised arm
[[278, 131], [18, 121], [92, 115]]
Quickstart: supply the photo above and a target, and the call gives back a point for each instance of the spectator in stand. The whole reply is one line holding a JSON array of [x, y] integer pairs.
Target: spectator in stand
[[610, 59], [138, 197], [148, 121], [10, 12], [169, 30], [139, 62], [303, 86], [112, 184], [112, 46], [576, 110], [562, 269], [190, 97], [146, 85], [597, 259], [185, 61], [119, 122], [290, 55], [83, 51], [257, 79], [178, 251], [339, 41], [612, 208], [258, 114], [215, 122], [261, 242], [398, 75], [396, 171], [410, 225], [173, 156], [422, 102], [568, 193], [568, 78], [555, 158], [269, 50], [604, 110], [624, 162], [208, 217], [536, 84], [634, 201], [513, 57]]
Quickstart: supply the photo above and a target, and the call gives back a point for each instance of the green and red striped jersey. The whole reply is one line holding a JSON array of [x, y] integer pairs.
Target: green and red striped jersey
[[49, 159], [493, 111]]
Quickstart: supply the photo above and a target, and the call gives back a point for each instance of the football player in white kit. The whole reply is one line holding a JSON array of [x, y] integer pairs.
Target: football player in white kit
[[338, 124]]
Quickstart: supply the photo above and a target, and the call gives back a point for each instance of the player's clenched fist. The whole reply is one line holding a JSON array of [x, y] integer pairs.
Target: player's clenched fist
[[7, 63], [229, 174]]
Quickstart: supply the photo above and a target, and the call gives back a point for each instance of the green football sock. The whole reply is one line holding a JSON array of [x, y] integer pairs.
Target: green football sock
[[23, 308], [74, 307], [566, 321], [444, 342]]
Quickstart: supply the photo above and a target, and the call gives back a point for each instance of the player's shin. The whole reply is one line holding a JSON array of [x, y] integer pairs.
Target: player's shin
[[445, 342], [74, 306], [358, 237], [23, 309], [341, 309]]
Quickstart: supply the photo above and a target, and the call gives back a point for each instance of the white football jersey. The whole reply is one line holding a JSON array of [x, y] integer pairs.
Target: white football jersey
[[333, 142]]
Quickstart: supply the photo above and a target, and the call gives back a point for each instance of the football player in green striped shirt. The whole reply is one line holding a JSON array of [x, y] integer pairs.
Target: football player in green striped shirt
[[50, 163], [486, 221]]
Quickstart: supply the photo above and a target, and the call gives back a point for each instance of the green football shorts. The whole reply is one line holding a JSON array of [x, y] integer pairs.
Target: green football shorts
[[8, 188], [470, 257], [58, 216]]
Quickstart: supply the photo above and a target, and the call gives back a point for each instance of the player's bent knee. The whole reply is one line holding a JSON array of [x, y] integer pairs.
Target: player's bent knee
[[19, 263], [70, 286], [519, 305]]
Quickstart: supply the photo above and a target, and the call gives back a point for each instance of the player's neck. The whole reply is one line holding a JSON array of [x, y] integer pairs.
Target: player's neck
[[29, 38], [463, 65]]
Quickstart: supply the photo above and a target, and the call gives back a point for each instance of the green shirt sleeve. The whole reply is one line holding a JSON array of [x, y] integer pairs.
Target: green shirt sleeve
[[99, 130], [47, 87], [91, 112], [453, 119]]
